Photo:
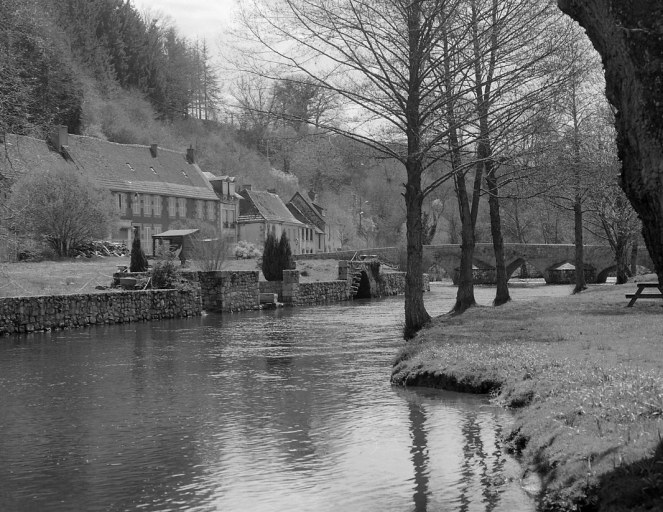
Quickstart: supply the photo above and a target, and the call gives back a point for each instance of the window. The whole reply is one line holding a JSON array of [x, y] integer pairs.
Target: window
[[121, 202], [211, 210], [181, 207], [147, 205], [148, 240], [156, 206], [135, 205], [172, 208], [200, 208], [231, 218]]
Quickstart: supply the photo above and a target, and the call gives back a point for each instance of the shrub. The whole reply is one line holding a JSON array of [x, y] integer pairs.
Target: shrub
[[165, 273], [246, 250], [138, 260]]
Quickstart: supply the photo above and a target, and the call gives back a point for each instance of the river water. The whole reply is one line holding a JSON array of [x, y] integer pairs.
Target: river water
[[283, 410]]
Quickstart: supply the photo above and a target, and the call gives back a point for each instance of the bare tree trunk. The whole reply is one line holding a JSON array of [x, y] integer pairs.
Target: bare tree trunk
[[621, 256], [465, 294], [502, 295], [483, 88], [579, 248], [416, 315], [634, 257], [629, 36]]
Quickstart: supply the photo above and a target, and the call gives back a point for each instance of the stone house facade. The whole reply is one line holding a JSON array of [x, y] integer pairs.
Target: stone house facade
[[262, 212], [312, 215], [152, 188]]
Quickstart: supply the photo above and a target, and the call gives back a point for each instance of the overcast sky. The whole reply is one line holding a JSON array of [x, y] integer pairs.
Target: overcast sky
[[195, 18]]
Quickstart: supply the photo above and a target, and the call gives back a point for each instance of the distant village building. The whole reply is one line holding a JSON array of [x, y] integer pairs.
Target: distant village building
[[263, 212], [312, 215], [152, 187]]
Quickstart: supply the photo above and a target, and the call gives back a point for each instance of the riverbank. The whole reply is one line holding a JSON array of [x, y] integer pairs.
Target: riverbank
[[585, 377], [85, 275]]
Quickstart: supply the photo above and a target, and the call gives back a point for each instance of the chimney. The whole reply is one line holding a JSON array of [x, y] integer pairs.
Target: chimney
[[59, 137], [245, 187], [271, 191], [153, 150], [190, 155]]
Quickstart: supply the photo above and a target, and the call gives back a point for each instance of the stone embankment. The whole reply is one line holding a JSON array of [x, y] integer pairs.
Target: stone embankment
[[218, 291], [224, 291], [28, 314]]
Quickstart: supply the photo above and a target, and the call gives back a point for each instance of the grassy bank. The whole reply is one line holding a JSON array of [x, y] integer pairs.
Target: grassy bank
[[83, 275], [584, 374]]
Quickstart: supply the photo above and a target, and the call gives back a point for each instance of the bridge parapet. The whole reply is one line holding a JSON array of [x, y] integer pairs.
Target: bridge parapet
[[543, 257]]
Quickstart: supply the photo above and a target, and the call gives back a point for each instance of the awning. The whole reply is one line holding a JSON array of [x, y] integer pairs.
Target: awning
[[172, 233]]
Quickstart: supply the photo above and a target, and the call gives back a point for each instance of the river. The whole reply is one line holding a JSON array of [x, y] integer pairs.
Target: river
[[282, 410]]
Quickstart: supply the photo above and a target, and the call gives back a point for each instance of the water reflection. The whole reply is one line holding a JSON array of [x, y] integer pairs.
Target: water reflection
[[270, 411]]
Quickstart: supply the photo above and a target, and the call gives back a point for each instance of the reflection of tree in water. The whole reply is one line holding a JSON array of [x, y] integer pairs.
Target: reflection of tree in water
[[419, 451], [293, 402], [475, 460]]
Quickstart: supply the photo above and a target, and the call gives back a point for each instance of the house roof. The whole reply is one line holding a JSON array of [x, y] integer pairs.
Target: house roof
[[297, 213], [118, 167], [310, 210], [259, 205]]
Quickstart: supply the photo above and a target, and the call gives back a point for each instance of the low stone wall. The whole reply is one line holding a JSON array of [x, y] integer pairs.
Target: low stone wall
[[272, 287], [322, 292], [28, 314], [226, 290], [393, 283]]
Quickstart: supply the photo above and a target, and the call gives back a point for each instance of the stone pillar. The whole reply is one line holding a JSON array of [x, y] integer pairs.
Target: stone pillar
[[290, 288]]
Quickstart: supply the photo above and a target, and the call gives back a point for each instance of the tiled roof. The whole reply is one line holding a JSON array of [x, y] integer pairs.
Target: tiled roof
[[259, 205], [296, 212], [118, 167], [311, 211]]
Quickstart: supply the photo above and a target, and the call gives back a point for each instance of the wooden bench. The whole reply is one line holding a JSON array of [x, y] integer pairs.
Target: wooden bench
[[640, 295]]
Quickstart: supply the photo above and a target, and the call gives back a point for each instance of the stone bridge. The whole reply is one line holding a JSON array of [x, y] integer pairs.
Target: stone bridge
[[543, 257]]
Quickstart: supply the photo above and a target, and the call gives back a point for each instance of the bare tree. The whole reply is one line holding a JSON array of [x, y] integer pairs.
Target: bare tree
[[381, 58], [63, 209]]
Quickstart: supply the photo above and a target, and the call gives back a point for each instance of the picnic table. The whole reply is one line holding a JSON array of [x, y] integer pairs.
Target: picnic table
[[640, 295]]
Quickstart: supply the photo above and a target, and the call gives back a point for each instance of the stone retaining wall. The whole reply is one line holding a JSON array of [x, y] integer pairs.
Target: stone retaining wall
[[28, 314], [321, 293], [226, 290], [295, 293]]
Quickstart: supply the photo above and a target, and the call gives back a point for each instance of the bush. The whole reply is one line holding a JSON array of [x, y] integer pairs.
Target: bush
[[165, 273], [246, 250]]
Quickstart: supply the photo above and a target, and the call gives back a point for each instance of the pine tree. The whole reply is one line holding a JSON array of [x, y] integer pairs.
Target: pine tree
[[270, 259], [285, 254], [138, 260]]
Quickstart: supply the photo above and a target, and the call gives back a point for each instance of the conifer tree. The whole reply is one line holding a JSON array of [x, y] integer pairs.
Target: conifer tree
[[138, 260], [285, 254], [270, 259]]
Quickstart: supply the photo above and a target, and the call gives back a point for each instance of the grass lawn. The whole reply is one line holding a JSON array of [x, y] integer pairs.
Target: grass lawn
[[83, 275], [585, 376]]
